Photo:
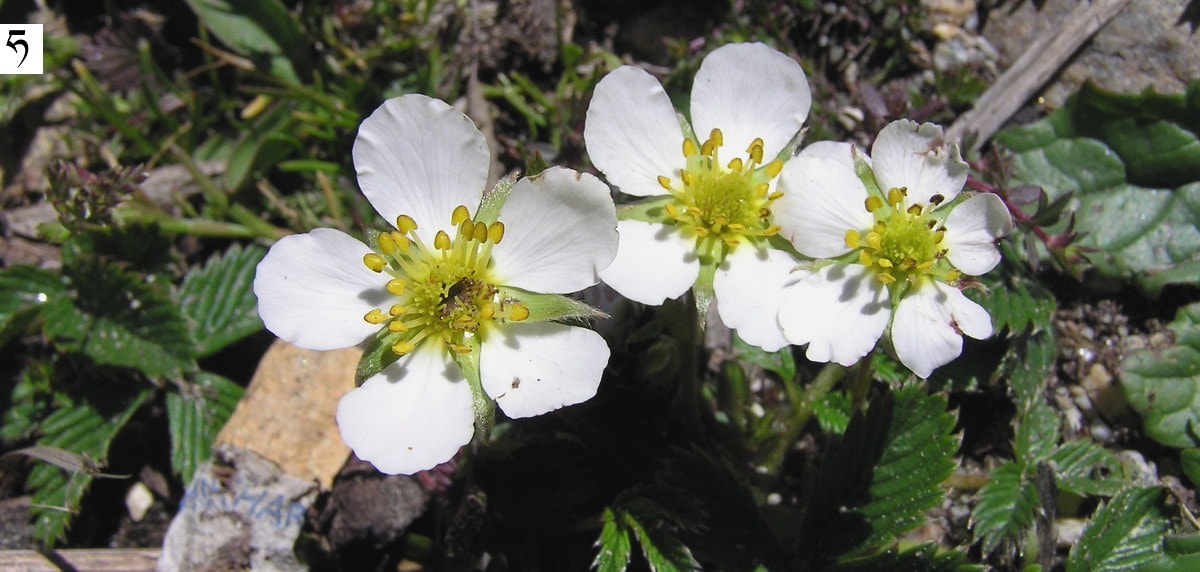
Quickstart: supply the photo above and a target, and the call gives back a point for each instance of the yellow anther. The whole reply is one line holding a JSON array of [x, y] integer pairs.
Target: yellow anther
[[401, 241], [441, 240], [396, 326], [375, 316], [873, 203], [688, 178], [925, 265], [760, 190], [518, 312], [459, 348], [895, 196], [914, 210], [689, 148], [908, 263], [775, 195], [700, 231], [459, 215], [771, 230], [481, 232], [708, 147], [864, 258], [402, 347], [386, 243], [853, 238], [466, 229], [487, 311], [664, 182], [886, 278], [773, 168], [671, 210], [405, 224], [953, 275], [764, 212], [938, 236], [874, 239], [395, 286], [496, 232], [737, 227], [885, 263], [756, 150], [716, 137], [374, 262], [736, 165], [397, 310]]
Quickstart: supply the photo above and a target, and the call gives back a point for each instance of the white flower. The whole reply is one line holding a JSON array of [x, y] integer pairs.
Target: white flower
[[903, 244], [455, 283], [710, 223]]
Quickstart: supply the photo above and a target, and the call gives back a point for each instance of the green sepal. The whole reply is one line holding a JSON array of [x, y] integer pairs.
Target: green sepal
[[545, 307], [378, 355], [481, 404], [648, 210], [866, 174], [489, 207]]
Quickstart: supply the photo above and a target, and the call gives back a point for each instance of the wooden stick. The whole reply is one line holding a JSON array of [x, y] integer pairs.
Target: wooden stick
[[93, 560], [1029, 74]]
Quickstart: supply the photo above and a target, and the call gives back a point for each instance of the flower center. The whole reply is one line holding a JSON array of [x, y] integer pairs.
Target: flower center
[[905, 243], [442, 293], [722, 205]]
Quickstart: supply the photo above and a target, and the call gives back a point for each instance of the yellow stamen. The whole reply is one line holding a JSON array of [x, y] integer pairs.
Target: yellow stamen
[[518, 312], [396, 326], [375, 316], [756, 151], [405, 224], [374, 262], [664, 182], [853, 238], [736, 165], [689, 148], [441, 240], [773, 168], [402, 347], [397, 310], [496, 232], [481, 232], [459, 215], [873, 203], [896, 196], [396, 286]]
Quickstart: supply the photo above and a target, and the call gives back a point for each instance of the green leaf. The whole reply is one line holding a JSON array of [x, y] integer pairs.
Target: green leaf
[[614, 543], [1163, 386], [23, 291], [1006, 508], [86, 427], [218, 299], [1133, 163], [268, 140], [781, 362], [1016, 303], [879, 478], [116, 318], [1189, 459], [1028, 365], [1125, 534], [833, 412], [1036, 435], [262, 30], [925, 557], [195, 415], [1085, 468], [377, 355], [663, 550]]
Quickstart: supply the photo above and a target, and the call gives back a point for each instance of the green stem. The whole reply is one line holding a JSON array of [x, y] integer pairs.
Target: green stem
[[688, 401], [484, 407], [802, 411]]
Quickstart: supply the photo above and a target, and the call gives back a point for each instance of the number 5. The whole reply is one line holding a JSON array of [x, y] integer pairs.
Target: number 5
[[24, 45]]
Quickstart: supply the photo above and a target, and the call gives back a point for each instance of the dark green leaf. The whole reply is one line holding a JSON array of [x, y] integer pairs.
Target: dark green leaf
[[880, 477], [23, 291], [1006, 508], [1163, 386], [1189, 459], [663, 551], [1085, 468], [195, 415], [262, 28], [833, 412], [925, 557], [86, 427], [218, 299], [781, 362], [116, 318], [1036, 435], [263, 145], [1125, 534], [1016, 303]]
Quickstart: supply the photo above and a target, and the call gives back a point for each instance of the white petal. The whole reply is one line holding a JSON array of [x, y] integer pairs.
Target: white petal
[[929, 323], [313, 290], [822, 199], [840, 312], [412, 416], [560, 227], [749, 91], [916, 157], [418, 156], [632, 133], [531, 369], [971, 232], [654, 262], [749, 288], [836, 150]]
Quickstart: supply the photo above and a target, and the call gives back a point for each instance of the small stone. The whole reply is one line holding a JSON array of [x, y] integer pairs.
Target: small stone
[[138, 501]]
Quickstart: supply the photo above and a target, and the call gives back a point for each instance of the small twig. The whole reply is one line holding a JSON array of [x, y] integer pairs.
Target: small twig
[[1032, 70]]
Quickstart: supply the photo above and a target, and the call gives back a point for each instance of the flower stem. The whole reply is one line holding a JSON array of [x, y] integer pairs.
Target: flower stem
[[802, 411]]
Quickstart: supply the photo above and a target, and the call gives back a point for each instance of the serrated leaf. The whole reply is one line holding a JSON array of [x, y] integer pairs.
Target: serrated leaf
[[880, 477], [1189, 461], [23, 291], [663, 551], [1133, 163], [833, 412], [86, 428], [260, 30], [1006, 508], [925, 557], [219, 301], [1027, 365], [1163, 386], [116, 318], [1036, 435], [1125, 534], [195, 415], [614, 544], [1085, 468], [1016, 303]]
